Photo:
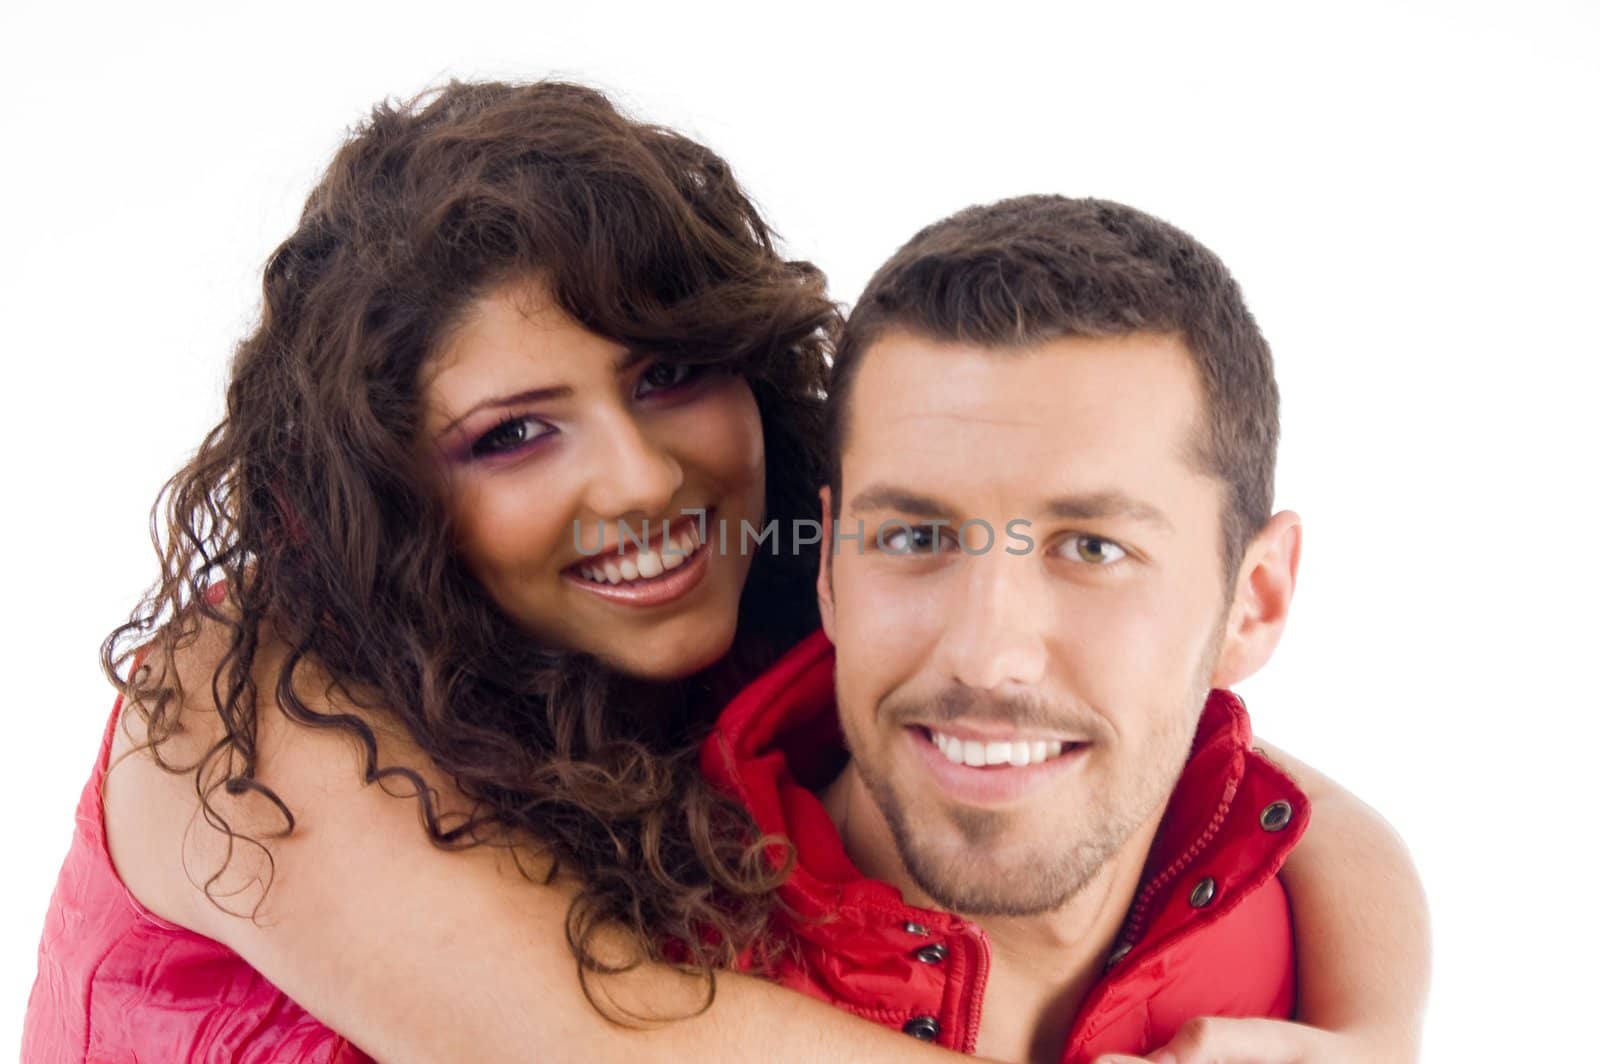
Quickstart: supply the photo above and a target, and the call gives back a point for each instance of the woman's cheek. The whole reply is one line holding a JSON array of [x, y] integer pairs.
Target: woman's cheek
[[506, 534], [726, 434], [754, 440]]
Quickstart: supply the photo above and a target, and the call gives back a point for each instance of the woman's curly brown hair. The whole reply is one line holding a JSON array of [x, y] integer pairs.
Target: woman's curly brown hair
[[310, 505]]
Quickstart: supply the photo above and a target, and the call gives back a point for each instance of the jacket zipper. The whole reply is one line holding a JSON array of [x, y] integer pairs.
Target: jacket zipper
[[1134, 928], [973, 1013]]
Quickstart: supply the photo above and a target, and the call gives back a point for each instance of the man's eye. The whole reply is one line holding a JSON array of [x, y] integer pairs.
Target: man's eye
[[664, 376], [1091, 549], [917, 539], [510, 435]]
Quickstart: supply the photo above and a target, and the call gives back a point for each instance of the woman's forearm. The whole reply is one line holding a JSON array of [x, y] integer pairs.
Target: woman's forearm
[[416, 953], [1361, 922]]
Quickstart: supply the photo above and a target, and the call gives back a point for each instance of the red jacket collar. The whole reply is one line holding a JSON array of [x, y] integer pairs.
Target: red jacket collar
[[779, 741]]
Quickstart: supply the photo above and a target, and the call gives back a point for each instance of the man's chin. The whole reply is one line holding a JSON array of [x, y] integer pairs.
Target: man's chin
[[975, 885], [985, 862], [993, 877]]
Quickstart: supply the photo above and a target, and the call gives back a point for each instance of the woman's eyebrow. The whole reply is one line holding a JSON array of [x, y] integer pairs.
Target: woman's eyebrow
[[621, 364], [628, 359], [560, 391]]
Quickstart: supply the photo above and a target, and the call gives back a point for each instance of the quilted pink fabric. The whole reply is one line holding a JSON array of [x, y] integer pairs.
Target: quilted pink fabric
[[117, 983]]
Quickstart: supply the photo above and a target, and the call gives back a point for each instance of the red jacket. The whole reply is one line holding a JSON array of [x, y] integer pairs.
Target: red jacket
[[1208, 933]]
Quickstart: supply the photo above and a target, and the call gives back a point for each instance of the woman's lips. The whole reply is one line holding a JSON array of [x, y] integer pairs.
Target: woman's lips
[[627, 545], [663, 584]]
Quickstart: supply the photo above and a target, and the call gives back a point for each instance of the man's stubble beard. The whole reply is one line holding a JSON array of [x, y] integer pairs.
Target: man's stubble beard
[[1046, 874]]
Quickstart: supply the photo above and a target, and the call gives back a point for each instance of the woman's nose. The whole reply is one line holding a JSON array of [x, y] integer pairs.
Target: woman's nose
[[633, 475]]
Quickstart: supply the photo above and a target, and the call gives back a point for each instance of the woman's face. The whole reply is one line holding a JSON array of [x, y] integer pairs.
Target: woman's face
[[550, 436]]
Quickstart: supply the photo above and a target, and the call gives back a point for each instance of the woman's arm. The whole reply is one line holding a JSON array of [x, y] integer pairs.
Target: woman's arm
[[1361, 940], [418, 954], [1361, 923]]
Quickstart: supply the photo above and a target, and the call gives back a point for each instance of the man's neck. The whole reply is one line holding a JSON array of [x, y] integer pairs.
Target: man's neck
[[1041, 967]]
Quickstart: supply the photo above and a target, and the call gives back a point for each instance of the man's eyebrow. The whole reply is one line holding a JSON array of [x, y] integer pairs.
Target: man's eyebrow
[[889, 497], [623, 362], [1103, 504], [1086, 507]]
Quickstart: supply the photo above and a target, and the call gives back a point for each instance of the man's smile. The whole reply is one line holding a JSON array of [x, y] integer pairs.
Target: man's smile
[[993, 772]]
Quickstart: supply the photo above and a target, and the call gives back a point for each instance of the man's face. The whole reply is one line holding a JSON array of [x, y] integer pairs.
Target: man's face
[[1018, 717]]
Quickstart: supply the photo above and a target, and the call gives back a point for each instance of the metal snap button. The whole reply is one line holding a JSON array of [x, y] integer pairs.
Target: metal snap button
[[1203, 892], [914, 928], [1276, 816], [932, 954], [924, 1028]]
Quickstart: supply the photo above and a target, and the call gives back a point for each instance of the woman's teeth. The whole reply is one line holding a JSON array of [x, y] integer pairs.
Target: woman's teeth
[[644, 564], [980, 754]]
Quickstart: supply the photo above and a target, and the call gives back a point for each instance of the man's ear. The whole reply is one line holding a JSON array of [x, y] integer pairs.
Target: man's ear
[[1261, 593], [825, 570]]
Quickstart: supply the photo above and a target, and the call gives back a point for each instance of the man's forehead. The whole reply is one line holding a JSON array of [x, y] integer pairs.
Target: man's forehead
[[1039, 385], [1121, 405]]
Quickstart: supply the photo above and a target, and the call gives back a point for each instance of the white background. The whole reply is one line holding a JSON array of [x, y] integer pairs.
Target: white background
[[1407, 193]]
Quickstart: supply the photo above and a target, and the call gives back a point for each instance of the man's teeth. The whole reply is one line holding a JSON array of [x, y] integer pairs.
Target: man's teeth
[[644, 564], [979, 754]]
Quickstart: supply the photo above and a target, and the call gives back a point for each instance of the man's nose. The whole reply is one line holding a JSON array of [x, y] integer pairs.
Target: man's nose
[[632, 477], [995, 632]]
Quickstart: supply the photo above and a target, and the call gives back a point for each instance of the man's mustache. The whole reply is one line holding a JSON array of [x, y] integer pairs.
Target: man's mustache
[[1022, 712]]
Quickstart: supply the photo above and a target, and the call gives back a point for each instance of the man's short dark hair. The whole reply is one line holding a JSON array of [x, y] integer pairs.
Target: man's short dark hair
[[1028, 270]]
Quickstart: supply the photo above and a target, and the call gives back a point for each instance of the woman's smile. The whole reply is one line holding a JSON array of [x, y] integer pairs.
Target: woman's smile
[[668, 566]]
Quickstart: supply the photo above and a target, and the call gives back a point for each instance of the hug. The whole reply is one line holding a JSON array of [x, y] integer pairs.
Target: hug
[[401, 769]]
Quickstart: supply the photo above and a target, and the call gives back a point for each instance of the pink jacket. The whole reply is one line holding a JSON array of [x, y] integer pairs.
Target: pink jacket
[[117, 983]]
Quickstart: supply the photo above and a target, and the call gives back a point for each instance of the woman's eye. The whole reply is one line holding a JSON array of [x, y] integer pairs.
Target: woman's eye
[[1092, 549], [510, 435], [663, 376], [916, 539]]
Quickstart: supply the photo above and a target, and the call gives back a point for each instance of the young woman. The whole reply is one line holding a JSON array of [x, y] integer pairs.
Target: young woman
[[389, 759]]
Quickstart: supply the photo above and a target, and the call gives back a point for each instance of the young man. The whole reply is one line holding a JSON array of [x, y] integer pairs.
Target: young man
[[1049, 548]]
